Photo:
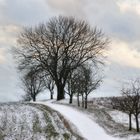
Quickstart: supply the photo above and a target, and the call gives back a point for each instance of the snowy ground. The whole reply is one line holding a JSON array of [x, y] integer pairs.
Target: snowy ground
[[86, 126], [98, 121], [112, 121], [27, 121], [24, 121], [122, 118]]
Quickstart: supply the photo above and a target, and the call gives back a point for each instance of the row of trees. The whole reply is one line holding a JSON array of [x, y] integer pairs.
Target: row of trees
[[34, 82], [62, 52], [65, 52], [129, 102], [80, 83]]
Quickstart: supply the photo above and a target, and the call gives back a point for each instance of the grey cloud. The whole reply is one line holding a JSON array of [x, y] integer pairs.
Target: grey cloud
[[104, 14], [107, 15], [68, 7], [26, 12]]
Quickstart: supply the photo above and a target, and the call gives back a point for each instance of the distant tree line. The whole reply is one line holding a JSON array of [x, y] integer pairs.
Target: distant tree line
[[61, 53]]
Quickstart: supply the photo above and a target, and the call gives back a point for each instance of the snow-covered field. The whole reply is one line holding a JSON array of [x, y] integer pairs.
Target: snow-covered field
[[40, 121], [24, 121], [122, 118]]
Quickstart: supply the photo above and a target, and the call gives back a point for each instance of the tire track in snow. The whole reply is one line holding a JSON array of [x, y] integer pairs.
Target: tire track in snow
[[86, 126]]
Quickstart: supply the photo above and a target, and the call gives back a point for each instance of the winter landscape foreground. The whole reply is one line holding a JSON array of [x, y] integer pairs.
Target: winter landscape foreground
[[51, 120]]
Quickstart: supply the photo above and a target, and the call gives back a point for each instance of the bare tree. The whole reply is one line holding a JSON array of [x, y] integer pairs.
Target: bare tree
[[91, 81], [82, 82], [49, 83], [26, 97], [130, 102], [133, 95], [80, 88], [73, 83], [123, 104], [70, 88], [32, 84], [59, 47]]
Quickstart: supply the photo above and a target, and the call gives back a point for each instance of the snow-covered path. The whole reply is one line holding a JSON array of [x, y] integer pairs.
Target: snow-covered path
[[86, 126]]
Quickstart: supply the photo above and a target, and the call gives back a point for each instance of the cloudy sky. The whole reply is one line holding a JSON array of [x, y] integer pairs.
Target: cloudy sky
[[119, 20]]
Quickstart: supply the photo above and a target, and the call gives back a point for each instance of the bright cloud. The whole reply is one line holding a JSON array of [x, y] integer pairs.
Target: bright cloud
[[123, 54], [2, 55], [129, 5], [8, 34]]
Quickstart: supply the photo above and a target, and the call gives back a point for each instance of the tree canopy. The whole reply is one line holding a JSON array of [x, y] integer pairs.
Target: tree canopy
[[60, 46]]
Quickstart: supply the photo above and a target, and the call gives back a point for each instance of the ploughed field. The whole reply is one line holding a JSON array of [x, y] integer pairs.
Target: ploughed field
[[25, 121]]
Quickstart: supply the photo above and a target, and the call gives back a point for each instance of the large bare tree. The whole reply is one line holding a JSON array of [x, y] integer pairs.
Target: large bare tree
[[59, 47]]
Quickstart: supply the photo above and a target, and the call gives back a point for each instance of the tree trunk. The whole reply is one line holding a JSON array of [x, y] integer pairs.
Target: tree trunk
[[137, 123], [130, 122], [71, 98], [78, 102], [51, 95], [86, 102], [82, 100], [34, 98], [60, 92]]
